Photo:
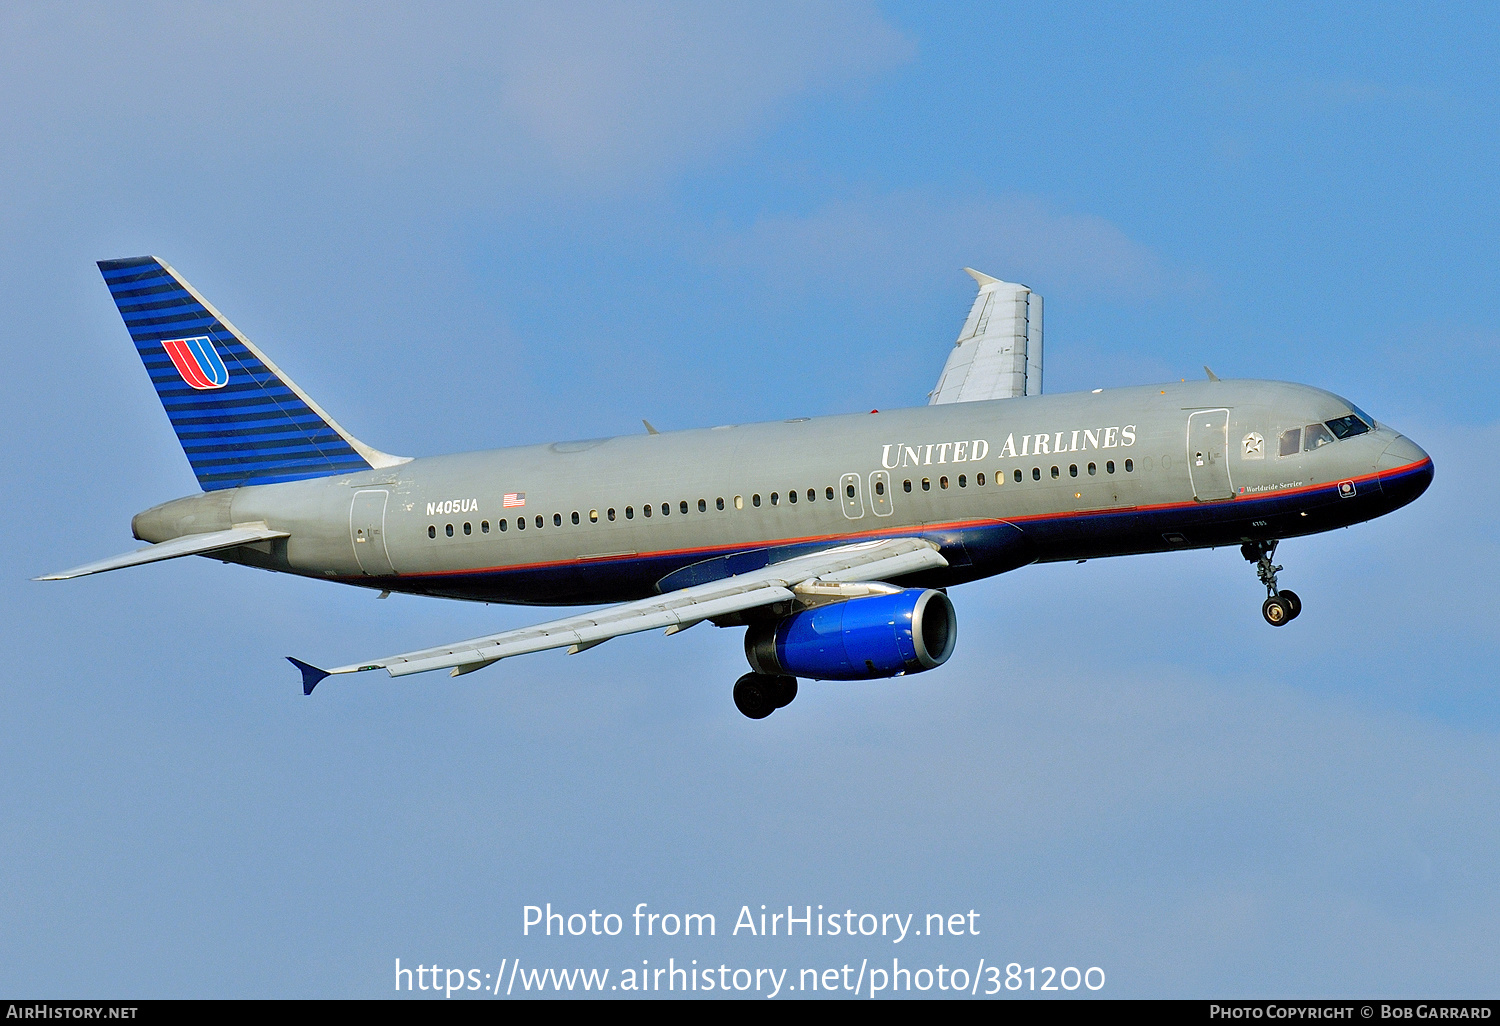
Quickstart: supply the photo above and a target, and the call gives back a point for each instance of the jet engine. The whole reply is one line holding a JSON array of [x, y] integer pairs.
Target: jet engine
[[859, 639]]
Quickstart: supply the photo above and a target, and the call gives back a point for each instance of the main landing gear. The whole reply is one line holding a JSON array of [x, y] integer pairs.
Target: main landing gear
[[1280, 607], [758, 695]]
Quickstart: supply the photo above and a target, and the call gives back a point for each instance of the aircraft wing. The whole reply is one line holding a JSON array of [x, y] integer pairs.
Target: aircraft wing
[[187, 545], [675, 610], [998, 354]]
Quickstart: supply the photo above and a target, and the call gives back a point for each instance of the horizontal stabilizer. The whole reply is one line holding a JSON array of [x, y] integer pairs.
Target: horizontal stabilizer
[[187, 545]]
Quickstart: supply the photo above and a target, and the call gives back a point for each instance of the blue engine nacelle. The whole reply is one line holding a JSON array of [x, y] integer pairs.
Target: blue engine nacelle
[[861, 639]]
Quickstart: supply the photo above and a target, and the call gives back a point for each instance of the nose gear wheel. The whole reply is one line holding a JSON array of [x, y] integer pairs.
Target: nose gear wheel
[[1280, 607]]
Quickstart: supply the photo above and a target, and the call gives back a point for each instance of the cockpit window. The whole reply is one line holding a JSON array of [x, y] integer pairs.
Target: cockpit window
[[1291, 441], [1347, 427], [1315, 437], [1362, 415]]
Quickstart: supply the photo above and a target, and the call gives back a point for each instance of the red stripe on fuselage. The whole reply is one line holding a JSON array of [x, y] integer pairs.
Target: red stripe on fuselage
[[909, 531]]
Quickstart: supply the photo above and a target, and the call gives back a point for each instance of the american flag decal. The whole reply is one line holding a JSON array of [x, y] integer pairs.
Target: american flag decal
[[514, 499]]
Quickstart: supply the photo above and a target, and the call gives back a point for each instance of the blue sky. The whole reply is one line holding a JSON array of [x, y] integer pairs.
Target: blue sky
[[472, 227]]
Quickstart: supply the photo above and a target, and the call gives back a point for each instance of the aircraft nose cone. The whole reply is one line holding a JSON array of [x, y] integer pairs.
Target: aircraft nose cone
[[1405, 470], [1400, 453]]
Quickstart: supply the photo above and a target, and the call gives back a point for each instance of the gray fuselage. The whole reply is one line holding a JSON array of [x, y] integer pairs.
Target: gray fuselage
[[996, 484]]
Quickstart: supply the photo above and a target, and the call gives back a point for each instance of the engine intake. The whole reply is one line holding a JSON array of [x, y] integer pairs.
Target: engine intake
[[861, 639]]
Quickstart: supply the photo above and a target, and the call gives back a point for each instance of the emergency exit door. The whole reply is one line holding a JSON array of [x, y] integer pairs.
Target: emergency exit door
[[849, 491], [1208, 455], [367, 532]]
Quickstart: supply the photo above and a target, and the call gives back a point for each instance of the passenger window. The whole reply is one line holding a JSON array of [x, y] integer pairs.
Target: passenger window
[[829, 492], [539, 521], [755, 499], [468, 528], [593, 516], [450, 530], [1036, 473], [611, 513], [1054, 473], [666, 508], [776, 498], [721, 502], [1315, 437], [1291, 441], [906, 485], [520, 523], [1093, 470], [963, 482], [812, 495], [791, 496], [629, 512], [879, 487], [1129, 466], [1109, 466], [432, 530], [703, 505], [503, 526], [1018, 474], [645, 510], [557, 520], [739, 502], [942, 482], [926, 484], [575, 516], [1073, 470], [484, 525], [979, 480], [683, 506]]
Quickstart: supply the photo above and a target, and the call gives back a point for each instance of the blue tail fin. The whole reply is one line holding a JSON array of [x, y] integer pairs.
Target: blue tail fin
[[239, 419]]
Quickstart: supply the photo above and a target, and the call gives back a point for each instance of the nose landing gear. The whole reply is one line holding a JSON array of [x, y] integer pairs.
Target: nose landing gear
[[758, 695], [1280, 607]]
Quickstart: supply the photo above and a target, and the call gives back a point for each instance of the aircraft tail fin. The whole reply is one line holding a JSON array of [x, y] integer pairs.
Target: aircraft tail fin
[[239, 418]]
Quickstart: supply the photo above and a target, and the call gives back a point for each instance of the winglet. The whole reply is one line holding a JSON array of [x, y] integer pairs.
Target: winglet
[[310, 674], [980, 277], [1211, 375]]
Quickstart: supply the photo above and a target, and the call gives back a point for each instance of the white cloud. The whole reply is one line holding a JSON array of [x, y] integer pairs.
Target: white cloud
[[598, 95], [906, 240], [642, 86]]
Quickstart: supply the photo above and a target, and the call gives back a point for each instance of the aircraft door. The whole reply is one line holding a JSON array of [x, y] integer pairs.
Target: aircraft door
[[367, 532], [880, 493], [1208, 455], [854, 506]]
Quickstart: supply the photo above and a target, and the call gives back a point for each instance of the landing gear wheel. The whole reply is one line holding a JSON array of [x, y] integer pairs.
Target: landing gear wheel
[[785, 689], [1281, 607], [755, 695], [1276, 609], [1290, 597]]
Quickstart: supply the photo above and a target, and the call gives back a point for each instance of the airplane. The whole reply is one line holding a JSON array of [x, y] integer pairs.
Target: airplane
[[832, 540]]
